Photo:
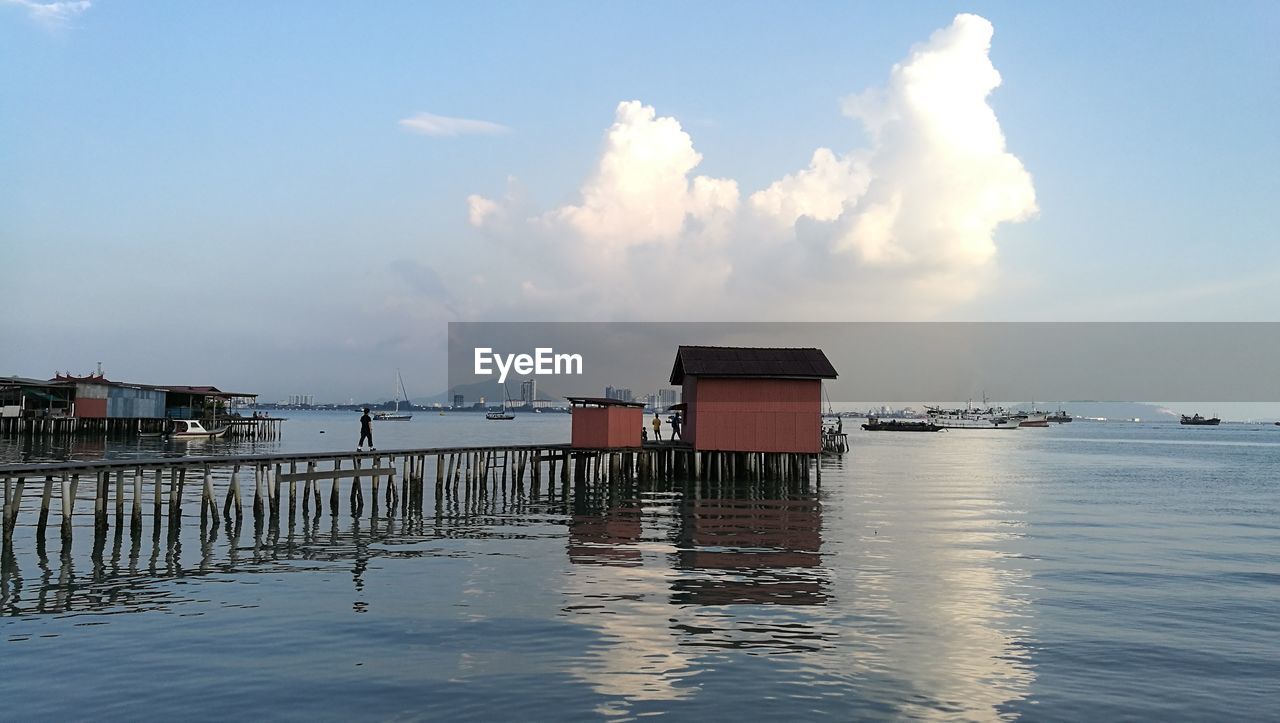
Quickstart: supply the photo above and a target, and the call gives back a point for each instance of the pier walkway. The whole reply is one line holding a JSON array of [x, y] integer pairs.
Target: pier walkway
[[161, 482]]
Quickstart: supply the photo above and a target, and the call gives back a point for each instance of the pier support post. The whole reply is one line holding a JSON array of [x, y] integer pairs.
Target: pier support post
[[259, 505], [333, 488], [15, 504], [45, 499], [69, 489], [233, 492], [135, 517], [293, 490], [100, 501], [119, 498], [208, 503]]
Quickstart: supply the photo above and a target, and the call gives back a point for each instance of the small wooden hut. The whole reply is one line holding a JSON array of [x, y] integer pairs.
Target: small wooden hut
[[744, 399], [601, 423]]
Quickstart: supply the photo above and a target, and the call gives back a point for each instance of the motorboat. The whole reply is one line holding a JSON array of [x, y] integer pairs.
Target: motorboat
[[193, 429]]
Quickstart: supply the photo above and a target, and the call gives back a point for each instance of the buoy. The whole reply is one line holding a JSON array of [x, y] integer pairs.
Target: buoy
[[322, 431]]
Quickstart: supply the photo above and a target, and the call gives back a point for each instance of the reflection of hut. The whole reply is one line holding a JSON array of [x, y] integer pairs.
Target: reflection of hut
[[607, 537], [771, 547], [742, 399], [600, 423]]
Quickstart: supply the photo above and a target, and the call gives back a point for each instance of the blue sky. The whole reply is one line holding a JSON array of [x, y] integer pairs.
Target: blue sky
[[213, 193]]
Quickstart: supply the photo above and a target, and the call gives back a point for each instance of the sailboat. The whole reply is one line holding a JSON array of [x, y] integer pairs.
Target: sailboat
[[397, 415], [504, 415]]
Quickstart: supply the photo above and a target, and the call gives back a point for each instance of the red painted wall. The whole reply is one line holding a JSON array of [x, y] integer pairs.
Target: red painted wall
[[607, 427], [754, 415], [91, 408]]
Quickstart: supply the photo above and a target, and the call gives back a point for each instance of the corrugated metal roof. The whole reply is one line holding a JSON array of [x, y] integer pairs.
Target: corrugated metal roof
[[199, 391], [26, 382], [755, 362]]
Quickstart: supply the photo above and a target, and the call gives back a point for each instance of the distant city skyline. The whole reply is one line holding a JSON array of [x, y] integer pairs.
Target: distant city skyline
[[298, 202]]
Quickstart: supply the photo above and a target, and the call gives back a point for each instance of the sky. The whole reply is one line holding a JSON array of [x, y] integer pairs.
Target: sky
[[294, 199]]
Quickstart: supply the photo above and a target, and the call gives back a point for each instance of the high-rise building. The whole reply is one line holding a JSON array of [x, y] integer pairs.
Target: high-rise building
[[667, 397], [457, 401], [622, 394], [529, 391]]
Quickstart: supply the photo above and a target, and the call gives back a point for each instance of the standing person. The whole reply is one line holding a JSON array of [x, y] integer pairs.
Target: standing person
[[657, 426], [676, 422], [366, 430]]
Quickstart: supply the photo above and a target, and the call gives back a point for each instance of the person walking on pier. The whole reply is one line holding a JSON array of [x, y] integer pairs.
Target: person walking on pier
[[675, 426], [366, 431], [657, 426]]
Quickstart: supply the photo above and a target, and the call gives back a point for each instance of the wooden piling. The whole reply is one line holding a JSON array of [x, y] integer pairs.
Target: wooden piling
[[135, 517], [45, 499]]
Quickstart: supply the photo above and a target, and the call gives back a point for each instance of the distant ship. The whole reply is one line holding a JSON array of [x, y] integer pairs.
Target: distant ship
[[1030, 419], [970, 418], [1199, 420], [1059, 416], [894, 425]]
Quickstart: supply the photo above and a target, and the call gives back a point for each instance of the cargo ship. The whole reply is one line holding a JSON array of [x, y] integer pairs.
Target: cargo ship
[[1197, 420]]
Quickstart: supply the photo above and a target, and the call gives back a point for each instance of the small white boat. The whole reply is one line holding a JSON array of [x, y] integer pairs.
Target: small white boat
[[193, 429], [504, 414]]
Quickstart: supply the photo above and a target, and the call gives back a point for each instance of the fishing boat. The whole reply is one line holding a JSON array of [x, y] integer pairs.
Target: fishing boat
[[874, 424], [971, 418], [1197, 420], [1031, 419], [397, 415], [1059, 417]]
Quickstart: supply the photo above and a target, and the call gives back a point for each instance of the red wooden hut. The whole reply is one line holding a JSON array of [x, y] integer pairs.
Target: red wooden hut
[[600, 423], [741, 399]]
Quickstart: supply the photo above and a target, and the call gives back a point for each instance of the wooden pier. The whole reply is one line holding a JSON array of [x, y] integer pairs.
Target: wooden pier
[[238, 427], [270, 485]]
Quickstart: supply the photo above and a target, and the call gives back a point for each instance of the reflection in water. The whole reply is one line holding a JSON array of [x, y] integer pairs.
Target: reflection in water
[[660, 574], [902, 592], [132, 571], [941, 610]]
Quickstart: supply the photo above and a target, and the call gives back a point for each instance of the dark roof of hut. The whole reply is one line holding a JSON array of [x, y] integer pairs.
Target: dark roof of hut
[[753, 362], [604, 402]]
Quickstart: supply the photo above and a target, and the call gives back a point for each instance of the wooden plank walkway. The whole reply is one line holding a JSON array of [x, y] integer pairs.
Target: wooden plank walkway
[[471, 471]]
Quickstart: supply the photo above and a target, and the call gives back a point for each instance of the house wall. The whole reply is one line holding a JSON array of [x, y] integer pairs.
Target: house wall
[[604, 427], [135, 403], [91, 401], [754, 415]]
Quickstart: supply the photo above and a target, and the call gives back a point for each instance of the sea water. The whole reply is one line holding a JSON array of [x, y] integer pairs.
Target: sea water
[[1087, 571]]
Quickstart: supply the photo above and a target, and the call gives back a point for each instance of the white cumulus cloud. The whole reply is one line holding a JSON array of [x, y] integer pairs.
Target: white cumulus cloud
[[904, 226], [641, 190], [430, 124]]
